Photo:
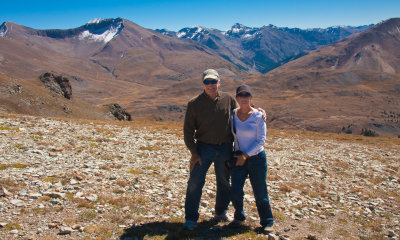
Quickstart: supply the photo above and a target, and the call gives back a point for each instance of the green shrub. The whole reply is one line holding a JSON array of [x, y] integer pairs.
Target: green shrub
[[88, 215], [368, 132]]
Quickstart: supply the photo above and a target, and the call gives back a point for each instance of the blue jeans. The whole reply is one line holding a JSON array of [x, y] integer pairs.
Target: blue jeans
[[256, 168], [209, 154]]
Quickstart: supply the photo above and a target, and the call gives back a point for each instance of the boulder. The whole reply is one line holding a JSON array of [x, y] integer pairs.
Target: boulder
[[118, 112], [65, 231], [57, 83]]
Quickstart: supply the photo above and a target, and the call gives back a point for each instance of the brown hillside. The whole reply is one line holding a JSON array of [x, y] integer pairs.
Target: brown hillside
[[331, 100], [28, 96], [377, 49]]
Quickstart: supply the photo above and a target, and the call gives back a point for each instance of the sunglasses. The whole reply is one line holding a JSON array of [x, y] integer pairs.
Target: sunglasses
[[206, 82], [244, 95]]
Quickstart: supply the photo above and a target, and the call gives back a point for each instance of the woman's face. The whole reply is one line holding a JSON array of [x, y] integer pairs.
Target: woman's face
[[244, 99]]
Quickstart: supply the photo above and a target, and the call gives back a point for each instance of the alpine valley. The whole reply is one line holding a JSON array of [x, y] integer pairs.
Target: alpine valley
[[339, 79]]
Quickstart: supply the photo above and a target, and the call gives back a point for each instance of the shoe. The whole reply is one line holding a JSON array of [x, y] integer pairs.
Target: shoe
[[190, 225], [221, 218], [268, 228], [265, 229], [236, 223]]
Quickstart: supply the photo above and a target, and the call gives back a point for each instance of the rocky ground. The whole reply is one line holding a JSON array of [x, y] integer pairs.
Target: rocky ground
[[75, 179]]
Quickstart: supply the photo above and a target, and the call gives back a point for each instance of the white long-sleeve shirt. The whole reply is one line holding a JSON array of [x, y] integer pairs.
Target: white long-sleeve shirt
[[251, 133]]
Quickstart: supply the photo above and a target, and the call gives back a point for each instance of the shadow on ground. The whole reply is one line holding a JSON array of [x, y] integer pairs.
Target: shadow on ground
[[205, 230]]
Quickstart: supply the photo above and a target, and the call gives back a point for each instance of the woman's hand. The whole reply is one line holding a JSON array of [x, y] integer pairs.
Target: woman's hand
[[241, 159]]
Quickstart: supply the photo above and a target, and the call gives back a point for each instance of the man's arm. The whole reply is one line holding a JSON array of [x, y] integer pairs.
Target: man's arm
[[189, 129], [264, 114], [234, 104]]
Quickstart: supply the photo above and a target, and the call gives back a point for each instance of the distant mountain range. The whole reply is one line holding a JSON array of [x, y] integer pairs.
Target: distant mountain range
[[104, 50], [351, 84], [263, 49], [334, 79]]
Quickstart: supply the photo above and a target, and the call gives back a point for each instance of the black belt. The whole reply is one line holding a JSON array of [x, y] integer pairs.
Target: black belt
[[215, 144]]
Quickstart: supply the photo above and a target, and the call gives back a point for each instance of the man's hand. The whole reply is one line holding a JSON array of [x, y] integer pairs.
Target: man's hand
[[193, 160], [264, 114]]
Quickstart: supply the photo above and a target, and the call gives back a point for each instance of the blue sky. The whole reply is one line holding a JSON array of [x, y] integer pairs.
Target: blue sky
[[219, 14]]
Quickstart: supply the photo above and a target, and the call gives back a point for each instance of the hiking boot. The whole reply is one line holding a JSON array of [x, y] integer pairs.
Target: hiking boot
[[236, 223], [189, 225], [221, 218], [265, 229], [268, 229]]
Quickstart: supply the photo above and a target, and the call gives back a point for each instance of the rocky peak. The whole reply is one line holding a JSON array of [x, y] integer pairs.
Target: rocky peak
[[239, 30], [196, 33], [102, 29], [239, 27], [166, 32], [99, 30], [391, 26]]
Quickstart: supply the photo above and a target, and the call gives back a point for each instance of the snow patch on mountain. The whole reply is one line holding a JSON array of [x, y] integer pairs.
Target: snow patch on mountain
[[236, 30], [196, 33], [101, 36], [181, 34], [197, 37], [95, 20], [3, 30], [339, 26], [247, 36], [199, 29]]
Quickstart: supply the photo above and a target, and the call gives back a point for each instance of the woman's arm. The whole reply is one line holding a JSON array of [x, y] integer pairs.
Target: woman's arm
[[261, 134]]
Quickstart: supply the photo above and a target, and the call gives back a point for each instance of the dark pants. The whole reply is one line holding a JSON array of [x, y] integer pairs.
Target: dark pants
[[256, 168], [209, 154]]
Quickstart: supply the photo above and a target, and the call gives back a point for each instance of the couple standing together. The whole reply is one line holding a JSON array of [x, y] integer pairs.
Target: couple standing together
[[213, 121]]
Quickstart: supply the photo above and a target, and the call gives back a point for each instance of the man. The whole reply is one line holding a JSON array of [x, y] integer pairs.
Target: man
[[208, 136]]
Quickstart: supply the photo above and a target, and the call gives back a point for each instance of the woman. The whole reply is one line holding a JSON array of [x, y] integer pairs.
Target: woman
[[249, 130]]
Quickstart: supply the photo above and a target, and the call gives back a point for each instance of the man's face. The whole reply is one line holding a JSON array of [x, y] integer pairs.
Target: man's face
[[211, 88]]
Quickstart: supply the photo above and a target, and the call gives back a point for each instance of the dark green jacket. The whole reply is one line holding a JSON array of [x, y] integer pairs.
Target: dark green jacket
[[207, 121]]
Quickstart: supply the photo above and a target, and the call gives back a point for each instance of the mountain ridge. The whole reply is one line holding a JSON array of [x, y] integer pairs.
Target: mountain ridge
[[381, 40], [352, 84], [341, 85], [265, 48], [63, 33], [250, 49]]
